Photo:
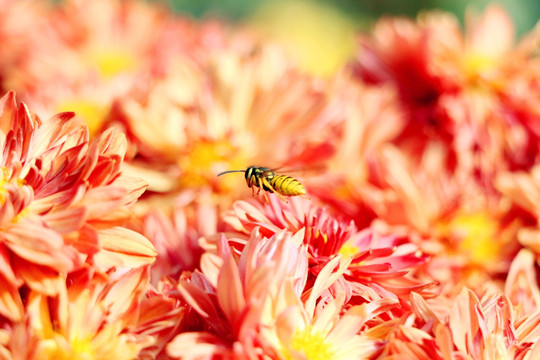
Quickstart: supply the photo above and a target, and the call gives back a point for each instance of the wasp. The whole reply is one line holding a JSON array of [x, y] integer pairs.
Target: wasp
[[266, 179]]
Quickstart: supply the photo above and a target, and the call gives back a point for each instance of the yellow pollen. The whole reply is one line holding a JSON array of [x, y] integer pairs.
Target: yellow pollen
[[311, 344], [205, 159], [111, 62], [476, 235], [319, 234], [348, 250], [77, 349], [91, 112], [477, 64], [23, 213], [6, 179]]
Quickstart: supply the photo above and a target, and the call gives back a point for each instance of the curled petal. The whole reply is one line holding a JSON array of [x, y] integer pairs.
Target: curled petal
[[521, 285], [40, 245], [196, 345], [124, 247], [39, 278], [11, 305]]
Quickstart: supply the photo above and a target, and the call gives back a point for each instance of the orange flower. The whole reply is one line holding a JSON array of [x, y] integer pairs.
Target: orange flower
[[482, 329], [325, 329], [220, 117], [92, 322], [521, 286], [524, 189], [435, 57], [462, 221], [63, 200], [81, 56], [492, 327], [161, 317]]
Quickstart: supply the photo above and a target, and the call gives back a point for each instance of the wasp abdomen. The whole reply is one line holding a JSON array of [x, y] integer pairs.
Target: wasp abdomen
[[287, 185]]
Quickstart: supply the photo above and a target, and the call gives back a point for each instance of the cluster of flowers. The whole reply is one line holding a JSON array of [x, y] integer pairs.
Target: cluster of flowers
[[118, 241]]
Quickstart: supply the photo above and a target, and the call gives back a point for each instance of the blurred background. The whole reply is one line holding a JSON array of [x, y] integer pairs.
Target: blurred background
[[525, 13], [325, 29]]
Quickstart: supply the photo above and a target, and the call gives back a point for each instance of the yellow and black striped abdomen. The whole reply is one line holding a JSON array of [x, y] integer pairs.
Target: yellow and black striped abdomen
[[286, 185]]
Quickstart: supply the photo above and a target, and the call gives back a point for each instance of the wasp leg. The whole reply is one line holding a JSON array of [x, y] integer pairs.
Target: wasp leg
[[268, 185], [260, 187], [282, 197]]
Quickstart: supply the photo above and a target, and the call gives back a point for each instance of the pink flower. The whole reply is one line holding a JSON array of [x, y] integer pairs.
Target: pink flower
[[178, 238], [232, 299], [454, 87], [494, 326], [462, 221], [378, 264], [259, 305]]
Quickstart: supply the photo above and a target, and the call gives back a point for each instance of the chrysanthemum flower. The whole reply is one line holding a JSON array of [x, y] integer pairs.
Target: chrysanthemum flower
[[521, 285], [495, 325], [379, 264], [94, 322], [18, 22], [435, 57], [179, 237], [259, 305], [483, 329], [161, 317], [324, 329], [523, 188], [463, 221], [233, 299], [81, 55], [455, 86], [63, 201], [215, 116]]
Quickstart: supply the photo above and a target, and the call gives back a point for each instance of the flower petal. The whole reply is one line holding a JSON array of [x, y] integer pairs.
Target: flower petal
[[124, 247]]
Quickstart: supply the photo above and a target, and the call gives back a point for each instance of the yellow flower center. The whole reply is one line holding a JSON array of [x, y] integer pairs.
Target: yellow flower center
[[311, 344], [91, 112], [58, 348], [206, 159], [348, 250], [476, 235], [477, 65], [5, 180], [111, 62]]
